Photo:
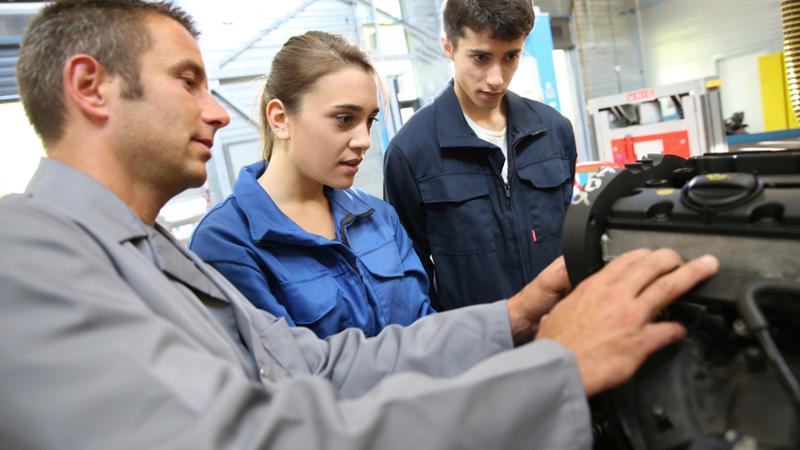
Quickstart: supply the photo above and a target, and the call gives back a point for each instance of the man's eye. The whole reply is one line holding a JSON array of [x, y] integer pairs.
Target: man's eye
[[480, 58], [189, 81], [512, 57]]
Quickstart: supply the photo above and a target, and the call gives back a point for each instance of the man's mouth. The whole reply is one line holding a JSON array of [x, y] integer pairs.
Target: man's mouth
[[207, 142]]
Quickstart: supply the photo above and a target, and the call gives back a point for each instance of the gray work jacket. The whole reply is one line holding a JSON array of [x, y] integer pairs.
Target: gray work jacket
[[113, 336]]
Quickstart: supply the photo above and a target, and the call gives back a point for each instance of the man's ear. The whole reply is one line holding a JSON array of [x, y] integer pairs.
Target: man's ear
[[86, 85], [278, 119], [448, 47]]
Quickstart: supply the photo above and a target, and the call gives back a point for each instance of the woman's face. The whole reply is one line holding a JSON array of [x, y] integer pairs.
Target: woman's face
[[328, 136]]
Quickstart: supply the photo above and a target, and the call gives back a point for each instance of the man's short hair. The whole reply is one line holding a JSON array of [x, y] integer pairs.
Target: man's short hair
[[504, 19], [111, 31]]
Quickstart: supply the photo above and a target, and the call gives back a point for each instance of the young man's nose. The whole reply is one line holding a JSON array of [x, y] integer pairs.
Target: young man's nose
[[494, 76]]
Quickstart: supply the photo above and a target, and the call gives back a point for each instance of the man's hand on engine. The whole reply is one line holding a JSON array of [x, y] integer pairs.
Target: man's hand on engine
[[607, 320]]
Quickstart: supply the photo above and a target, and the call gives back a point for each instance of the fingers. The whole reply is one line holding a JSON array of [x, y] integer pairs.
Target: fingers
[[655, 336], [554, 278], [618, 267], [672, 285], [557, 267], [606, 322], [649, 268]]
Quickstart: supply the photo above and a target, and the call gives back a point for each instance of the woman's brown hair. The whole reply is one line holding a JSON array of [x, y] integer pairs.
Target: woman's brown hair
[[302, 61]]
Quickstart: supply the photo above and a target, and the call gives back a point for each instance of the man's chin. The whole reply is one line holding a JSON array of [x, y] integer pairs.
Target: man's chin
[[199, 180], [194, 180]]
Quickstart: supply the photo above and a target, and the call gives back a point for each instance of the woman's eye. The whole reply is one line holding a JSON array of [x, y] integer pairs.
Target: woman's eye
[[344, 119], [371, 121]]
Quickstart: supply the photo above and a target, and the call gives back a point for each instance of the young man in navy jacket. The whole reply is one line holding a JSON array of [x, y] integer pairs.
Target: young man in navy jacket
[[481, 178]]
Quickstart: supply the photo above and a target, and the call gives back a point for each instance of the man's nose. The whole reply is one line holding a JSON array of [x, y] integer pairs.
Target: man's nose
[[213, 112]]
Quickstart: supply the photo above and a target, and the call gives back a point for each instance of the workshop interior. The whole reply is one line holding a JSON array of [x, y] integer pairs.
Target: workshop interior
[[685, 115]]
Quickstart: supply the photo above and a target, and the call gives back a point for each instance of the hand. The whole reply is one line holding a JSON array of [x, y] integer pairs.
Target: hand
[[528, 306], [606, 320]]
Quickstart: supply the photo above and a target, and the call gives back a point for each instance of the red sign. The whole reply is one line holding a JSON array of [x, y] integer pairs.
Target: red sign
[[673, 143], [642, 94]]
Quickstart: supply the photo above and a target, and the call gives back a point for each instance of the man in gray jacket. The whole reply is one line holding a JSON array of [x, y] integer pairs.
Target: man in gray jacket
[[114, 336]]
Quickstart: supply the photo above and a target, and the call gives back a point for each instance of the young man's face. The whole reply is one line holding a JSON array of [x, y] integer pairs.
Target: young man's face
[[166, 136], [483, 68]]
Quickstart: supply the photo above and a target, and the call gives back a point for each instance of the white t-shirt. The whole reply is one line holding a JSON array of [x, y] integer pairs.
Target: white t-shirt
[[497, 138]]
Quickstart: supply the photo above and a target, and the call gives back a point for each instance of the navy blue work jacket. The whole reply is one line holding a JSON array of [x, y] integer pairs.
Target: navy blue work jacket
[[369, 277], [481, 238]]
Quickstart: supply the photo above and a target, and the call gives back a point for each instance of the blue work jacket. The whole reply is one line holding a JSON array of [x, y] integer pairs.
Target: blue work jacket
[[480, 237], [369, 277]]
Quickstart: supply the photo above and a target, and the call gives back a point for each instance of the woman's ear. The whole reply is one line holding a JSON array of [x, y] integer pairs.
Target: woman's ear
[[278, 119]]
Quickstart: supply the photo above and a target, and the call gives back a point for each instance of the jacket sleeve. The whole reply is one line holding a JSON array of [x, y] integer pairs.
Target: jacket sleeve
[[525, 398], [401, 191], [416, 282], [252, 283], [243, 272], [86, 364]]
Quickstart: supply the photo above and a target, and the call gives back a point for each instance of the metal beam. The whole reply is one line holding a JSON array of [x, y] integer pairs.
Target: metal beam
[[261, 34], [229, 104], [421, 32], [405, 23]]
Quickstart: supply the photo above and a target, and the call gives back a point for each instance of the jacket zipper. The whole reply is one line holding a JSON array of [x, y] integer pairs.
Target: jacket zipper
[[348, 219], [535, 134], [526, 271], [510, 160]]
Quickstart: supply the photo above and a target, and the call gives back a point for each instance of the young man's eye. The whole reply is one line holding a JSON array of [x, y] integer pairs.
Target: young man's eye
[[480, 58], [512, 57]]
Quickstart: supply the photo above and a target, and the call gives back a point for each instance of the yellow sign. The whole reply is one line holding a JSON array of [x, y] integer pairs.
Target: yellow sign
[[664, 192], [717, 177]]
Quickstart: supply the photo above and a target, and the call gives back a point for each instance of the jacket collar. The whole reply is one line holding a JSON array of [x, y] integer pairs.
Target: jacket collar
[[83, 197], [453, 131], [267, 222], [94, 205]]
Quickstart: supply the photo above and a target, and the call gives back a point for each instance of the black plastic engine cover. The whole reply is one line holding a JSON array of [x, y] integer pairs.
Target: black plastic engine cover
[[717, 388]]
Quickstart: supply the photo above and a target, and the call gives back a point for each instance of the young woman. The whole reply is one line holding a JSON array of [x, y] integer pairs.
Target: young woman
[[293, 236]]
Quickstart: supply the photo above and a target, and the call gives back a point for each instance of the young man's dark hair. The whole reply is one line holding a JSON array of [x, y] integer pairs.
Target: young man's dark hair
[[505, 19], [111, 31]]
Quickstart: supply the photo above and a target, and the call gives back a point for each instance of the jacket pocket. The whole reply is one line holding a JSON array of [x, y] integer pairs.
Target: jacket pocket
[[312, 301], [548, 191], [383, 261], [386, 277], [458, 213]]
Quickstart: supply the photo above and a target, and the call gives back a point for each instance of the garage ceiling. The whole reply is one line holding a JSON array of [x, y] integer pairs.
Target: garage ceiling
[[555, 7]]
